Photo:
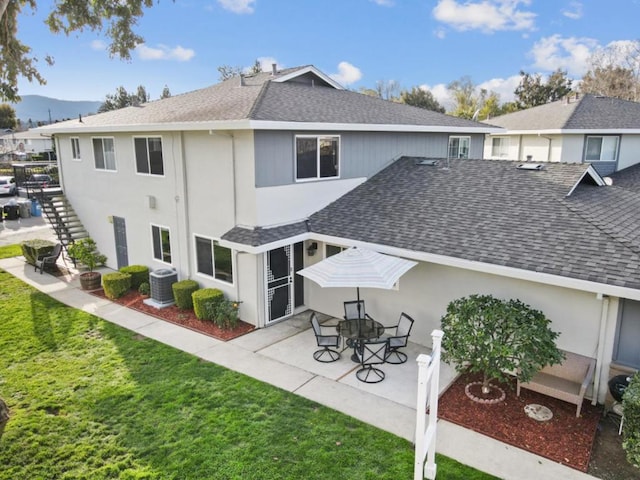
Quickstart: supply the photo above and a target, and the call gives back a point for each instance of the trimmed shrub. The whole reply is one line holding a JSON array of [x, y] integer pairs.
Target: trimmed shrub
[[226, 314], [139, 274], [205, 301], [144, 288], [631, 430], [31, 249], [116, 284], [182, 292]]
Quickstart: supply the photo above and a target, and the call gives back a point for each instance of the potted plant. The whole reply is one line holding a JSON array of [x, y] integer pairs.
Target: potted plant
[[86, 252]]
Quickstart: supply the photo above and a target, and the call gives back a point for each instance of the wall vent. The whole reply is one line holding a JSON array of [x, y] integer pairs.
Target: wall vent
[[160, 282], [530, 166]]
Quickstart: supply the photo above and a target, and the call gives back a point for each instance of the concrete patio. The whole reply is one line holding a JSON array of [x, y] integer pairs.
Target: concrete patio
[[281, 355]]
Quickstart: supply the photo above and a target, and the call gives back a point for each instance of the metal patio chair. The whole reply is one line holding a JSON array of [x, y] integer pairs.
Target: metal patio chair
[[398, 339], [326, 341], [48, 259], [371, 353]]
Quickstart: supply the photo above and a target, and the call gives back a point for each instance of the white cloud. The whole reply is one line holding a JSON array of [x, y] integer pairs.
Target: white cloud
[[440, 33], [347, 74], [266, 63], [98, 45], [384, 3], [503, 87], [570, 54], [163, 52], [238, 6], [441, 94], [576, 11], [487, 15]]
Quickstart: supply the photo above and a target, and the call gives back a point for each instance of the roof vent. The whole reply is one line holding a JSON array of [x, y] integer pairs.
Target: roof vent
[[530, 166], [429, 162]]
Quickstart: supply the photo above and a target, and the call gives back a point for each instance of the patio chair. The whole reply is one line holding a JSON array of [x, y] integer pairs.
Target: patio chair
[[351, 311], [398, 339], [48, 259], [371, 353], [326, 341]]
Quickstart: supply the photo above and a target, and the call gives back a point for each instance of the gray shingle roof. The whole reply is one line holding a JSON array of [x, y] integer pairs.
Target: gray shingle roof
[[488, 211], [260, 98], [588, 112], [262, 236]]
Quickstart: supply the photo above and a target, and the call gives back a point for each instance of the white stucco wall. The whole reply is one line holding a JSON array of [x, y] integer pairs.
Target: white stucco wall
[[629, 151]]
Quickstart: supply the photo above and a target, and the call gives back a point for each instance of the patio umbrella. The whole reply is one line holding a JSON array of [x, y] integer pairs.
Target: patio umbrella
[[358, 267]]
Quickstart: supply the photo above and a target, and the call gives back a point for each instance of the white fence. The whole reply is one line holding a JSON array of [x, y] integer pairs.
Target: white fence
[[428, 382]]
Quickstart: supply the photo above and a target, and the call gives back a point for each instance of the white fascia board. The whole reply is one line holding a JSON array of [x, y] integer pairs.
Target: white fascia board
[[575, 131], [509, 272], [255, 250], [308, 69], [366, 127], [153, 127]]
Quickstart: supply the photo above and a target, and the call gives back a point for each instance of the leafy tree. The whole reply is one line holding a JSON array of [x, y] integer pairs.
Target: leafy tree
[[614, 71], [369, 91], [490, 336], [117, 19], [468, 101], [7, 117], [166, 93], [388, 89], [610, 81], [122, 98], [419, 97], [141, 95], [533, 91], [227, 71]]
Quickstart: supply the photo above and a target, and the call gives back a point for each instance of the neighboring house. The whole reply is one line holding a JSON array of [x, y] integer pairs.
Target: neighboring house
[[24, 144], [580, 128], [218, 183]]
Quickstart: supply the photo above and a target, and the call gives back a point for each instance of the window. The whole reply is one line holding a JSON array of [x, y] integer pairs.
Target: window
[[104, 153], [214, 260], [317, 157], [161, 243], [500, 147], [459, 147], [625, 349], [602, 149], [330, 250], [149, 155], [75, 148]]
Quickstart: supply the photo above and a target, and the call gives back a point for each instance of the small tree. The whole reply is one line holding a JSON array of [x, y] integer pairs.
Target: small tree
[[86, 252], [495, 337]]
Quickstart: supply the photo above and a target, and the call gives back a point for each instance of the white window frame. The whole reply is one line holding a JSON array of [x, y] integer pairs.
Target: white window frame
[[502, 149], [75, 148], [153, 248], [318, 137], [603, 137], [460, 138], [213, 242], [135, 155], [105, 168]]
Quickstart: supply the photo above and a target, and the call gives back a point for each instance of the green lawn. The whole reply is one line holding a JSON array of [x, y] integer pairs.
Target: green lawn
[[90, 400]]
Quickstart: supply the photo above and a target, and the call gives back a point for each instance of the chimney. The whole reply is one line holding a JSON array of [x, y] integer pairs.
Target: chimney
[[241, 77], [274, 69]]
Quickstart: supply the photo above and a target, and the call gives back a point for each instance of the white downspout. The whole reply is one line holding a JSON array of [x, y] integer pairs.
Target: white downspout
[[601, 337]]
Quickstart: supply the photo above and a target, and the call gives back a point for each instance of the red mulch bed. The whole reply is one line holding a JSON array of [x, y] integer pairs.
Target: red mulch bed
[[564, 439], [185, 318]]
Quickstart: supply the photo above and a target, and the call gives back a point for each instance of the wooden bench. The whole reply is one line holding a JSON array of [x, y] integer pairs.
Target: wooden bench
[[567, 381]]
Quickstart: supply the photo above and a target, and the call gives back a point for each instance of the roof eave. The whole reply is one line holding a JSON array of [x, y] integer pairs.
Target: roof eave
[[573, 131]]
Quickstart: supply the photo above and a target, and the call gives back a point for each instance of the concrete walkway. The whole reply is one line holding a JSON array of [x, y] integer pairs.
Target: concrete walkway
[[253, 355]]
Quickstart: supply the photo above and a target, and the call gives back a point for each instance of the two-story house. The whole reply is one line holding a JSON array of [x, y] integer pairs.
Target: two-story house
[[580, 128]]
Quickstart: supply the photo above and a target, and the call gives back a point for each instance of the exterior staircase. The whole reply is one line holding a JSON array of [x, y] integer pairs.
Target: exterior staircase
[[60, 215]]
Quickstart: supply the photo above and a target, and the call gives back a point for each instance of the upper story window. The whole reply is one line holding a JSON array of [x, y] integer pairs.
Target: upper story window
[[500, 147], [330, 249], [75, 148], [602, 149], [214, 260], [161, 239], [459, 147], [317, 157], [104, 153], [148, 152]]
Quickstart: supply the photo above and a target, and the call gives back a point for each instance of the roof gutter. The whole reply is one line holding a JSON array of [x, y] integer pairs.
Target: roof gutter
[[245, 124]]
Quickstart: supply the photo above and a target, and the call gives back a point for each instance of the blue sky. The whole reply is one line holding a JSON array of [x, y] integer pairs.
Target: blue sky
[[426, 43]]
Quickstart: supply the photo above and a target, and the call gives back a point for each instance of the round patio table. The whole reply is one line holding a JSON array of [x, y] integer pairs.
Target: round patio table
[[358, 330]]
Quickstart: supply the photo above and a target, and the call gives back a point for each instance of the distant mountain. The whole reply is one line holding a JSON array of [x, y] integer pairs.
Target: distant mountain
[[41, 109]]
